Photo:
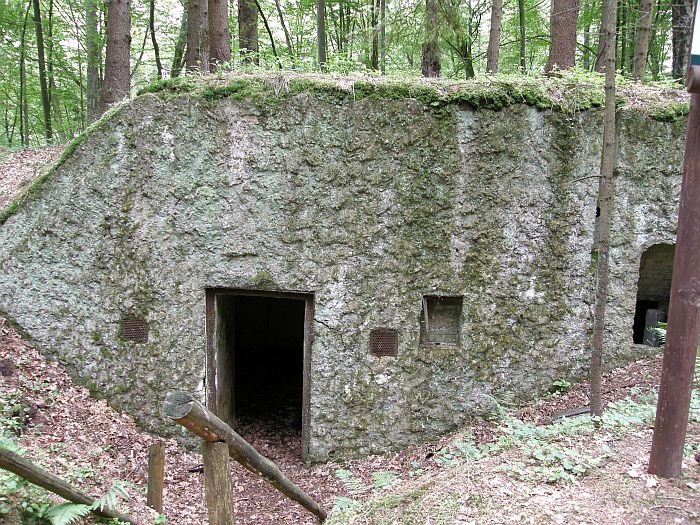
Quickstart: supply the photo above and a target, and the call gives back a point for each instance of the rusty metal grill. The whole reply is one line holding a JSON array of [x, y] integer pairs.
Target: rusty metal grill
[[135, 330], [383, 342]]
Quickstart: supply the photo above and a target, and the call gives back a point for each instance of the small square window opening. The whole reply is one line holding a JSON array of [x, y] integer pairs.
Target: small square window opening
[[440, 320]]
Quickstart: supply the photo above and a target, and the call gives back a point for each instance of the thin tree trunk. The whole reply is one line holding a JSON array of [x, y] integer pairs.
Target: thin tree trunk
[[654, 60], [197, 56], [430, 56], [682, 24], [92, 47], [269, 34], [562, 49], [382, 36], [23, 113], [117, 72], [143, 49], [179, 53], [156, 49], [248, 31], [521, 20], [287, 38], [493, 49], [374, 20], [605, 203], [321, 33], [641, 47], [45, 102], [54, 99]]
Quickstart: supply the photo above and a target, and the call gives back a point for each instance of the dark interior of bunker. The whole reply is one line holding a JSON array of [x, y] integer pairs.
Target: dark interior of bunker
[[262, 340], [653, 292]]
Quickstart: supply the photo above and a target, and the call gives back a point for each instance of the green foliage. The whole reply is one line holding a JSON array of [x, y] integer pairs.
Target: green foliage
[[67, 513], [384, 478], [350, 482], [551, 463]]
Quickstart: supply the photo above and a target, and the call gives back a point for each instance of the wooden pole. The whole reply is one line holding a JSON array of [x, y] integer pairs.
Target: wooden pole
[[38, 476], [156, 472], [188, 412], [678, 366], [217, 483]]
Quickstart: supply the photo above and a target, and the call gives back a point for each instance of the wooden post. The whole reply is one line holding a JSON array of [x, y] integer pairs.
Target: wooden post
[[217, 483], [188, 412], [672, 409], [156, 471], [38, 476]]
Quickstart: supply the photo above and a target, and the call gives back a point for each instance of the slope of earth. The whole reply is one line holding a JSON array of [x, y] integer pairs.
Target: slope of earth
[[18, 168], [488, 473]]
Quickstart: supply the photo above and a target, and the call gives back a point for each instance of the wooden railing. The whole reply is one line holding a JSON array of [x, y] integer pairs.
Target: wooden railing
[[33, 473], [220, 443], [184, 409]]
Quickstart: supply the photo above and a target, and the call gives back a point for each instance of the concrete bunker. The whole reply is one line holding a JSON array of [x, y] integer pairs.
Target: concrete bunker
[[350, 210], [653, 292], [258, 356]]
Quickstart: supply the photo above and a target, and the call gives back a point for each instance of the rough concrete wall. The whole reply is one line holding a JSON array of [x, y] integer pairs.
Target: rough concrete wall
[[369, 205]]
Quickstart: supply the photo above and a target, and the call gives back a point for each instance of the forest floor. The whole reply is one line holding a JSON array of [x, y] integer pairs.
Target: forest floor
[[523, 466], [486, 473]]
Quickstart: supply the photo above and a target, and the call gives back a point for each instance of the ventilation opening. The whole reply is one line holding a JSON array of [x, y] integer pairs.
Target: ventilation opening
[[384, 342], [653, 292], [134, 330], [260, 365], [440, 320]]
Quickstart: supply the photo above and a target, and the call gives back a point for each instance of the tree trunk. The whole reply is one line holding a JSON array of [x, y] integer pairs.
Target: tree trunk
[[430, 56], [521, 20], [641, 46], [23, 106], [179, 53], [382, 36], [248, 31], [287, 38], [117, 58], [218, 490], [152, 25], [93, 47], [219, 35], [269, 34], [494, 46], [374, 54], [321, 33], [562, 49], [45, 102], [197, 56], [605, 203], [682, 25]]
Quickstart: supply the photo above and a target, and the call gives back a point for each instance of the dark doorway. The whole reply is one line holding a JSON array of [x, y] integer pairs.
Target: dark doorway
[[653, 290], [261, 343]]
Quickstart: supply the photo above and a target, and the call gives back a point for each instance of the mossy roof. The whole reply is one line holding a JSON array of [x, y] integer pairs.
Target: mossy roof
[[566, 94]]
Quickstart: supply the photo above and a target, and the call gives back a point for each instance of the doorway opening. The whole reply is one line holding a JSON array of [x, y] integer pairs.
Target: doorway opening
[[653, 292], [260, 344]]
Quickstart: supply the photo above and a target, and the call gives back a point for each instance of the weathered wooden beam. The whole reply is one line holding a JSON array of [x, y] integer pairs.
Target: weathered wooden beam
[[156, 473], [217, 483], [188, 412], [33, 473]]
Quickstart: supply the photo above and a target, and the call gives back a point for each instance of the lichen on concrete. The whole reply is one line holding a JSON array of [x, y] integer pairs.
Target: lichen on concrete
[[369, 198]]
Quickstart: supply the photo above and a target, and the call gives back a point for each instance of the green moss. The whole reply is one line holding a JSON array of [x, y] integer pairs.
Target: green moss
[[671, 111], [36, 184], [263, 279]]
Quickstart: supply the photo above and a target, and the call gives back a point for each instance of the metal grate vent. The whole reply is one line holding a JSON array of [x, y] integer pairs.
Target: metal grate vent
[[383, 342], [135, 330]]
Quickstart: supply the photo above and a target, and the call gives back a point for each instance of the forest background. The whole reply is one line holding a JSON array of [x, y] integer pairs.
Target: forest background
[[63, 62]]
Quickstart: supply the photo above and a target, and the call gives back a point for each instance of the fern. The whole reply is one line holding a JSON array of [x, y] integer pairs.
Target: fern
[[352, 484], [67, 513], [343, 503], [384, 478]]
